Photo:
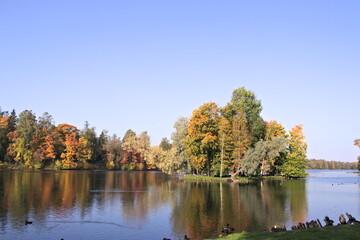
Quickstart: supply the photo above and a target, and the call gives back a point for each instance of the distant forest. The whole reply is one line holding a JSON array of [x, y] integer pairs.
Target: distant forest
[[323, 164]]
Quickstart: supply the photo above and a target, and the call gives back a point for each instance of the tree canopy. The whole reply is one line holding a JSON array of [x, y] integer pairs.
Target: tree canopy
[[357, 143], [218, 141]]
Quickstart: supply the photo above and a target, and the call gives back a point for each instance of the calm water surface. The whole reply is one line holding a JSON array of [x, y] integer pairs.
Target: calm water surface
[[152, 205]]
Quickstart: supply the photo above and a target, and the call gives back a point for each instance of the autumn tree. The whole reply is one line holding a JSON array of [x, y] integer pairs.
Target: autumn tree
[[241, 139], [273, 129], [143, 146], [22, 145], [225, 144], [202, 139], [7, 125], [76, 153], [84, 152], [295, 163], [357, 143], [69, 155], [171, 157], [129, 153], [45, 141], [165, 160], [69, 139], [112, 149], [155, 157], [132, 156], [92, 141], [62, 130], [65, 129], [48, 146], [4, 142]]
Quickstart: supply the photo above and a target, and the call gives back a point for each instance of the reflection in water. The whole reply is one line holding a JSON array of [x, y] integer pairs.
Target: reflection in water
[[203, 208], [298, 203], [135, 204]]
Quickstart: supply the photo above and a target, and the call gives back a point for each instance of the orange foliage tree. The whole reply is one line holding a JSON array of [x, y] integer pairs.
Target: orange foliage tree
[[69, 160], [202, 141], [134, 149], [76, 150]]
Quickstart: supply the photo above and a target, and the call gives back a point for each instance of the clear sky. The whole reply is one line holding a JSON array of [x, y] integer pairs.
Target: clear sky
[[142, 64]]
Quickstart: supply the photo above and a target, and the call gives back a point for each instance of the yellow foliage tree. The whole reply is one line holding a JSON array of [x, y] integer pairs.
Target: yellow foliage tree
[[241, 140], [274, 129], [202, 140], [83, 150], [295, 163]]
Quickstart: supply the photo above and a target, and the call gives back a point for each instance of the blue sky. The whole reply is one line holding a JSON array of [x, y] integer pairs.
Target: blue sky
[[142, 64]]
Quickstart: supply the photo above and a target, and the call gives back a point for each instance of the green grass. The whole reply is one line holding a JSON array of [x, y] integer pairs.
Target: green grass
[[218, 179], [345, 232], [191, 177]]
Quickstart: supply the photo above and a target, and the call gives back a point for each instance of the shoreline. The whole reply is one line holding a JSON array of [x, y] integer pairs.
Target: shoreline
[[200, 178], [346, 231]]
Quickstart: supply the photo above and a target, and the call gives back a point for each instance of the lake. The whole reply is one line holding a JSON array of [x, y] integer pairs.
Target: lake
[[153, 205]]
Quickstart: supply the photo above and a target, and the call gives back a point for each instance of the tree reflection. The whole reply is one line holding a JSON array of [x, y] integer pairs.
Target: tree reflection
[[297, 195], [203, 208], [198, 209]]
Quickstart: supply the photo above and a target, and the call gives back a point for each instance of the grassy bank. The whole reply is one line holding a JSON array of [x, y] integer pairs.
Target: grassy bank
[[346, 232], [224, 179]]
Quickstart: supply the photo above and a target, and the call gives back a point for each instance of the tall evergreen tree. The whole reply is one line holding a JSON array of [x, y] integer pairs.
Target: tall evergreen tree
[[295, 163]]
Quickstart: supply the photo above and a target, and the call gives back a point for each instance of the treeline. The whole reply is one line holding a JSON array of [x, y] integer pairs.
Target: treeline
[[31, 142], [230, 140], [323, 164]]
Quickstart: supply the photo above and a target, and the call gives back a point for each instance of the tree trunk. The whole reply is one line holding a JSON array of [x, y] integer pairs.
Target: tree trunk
[[233, 175], [222, 157]]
